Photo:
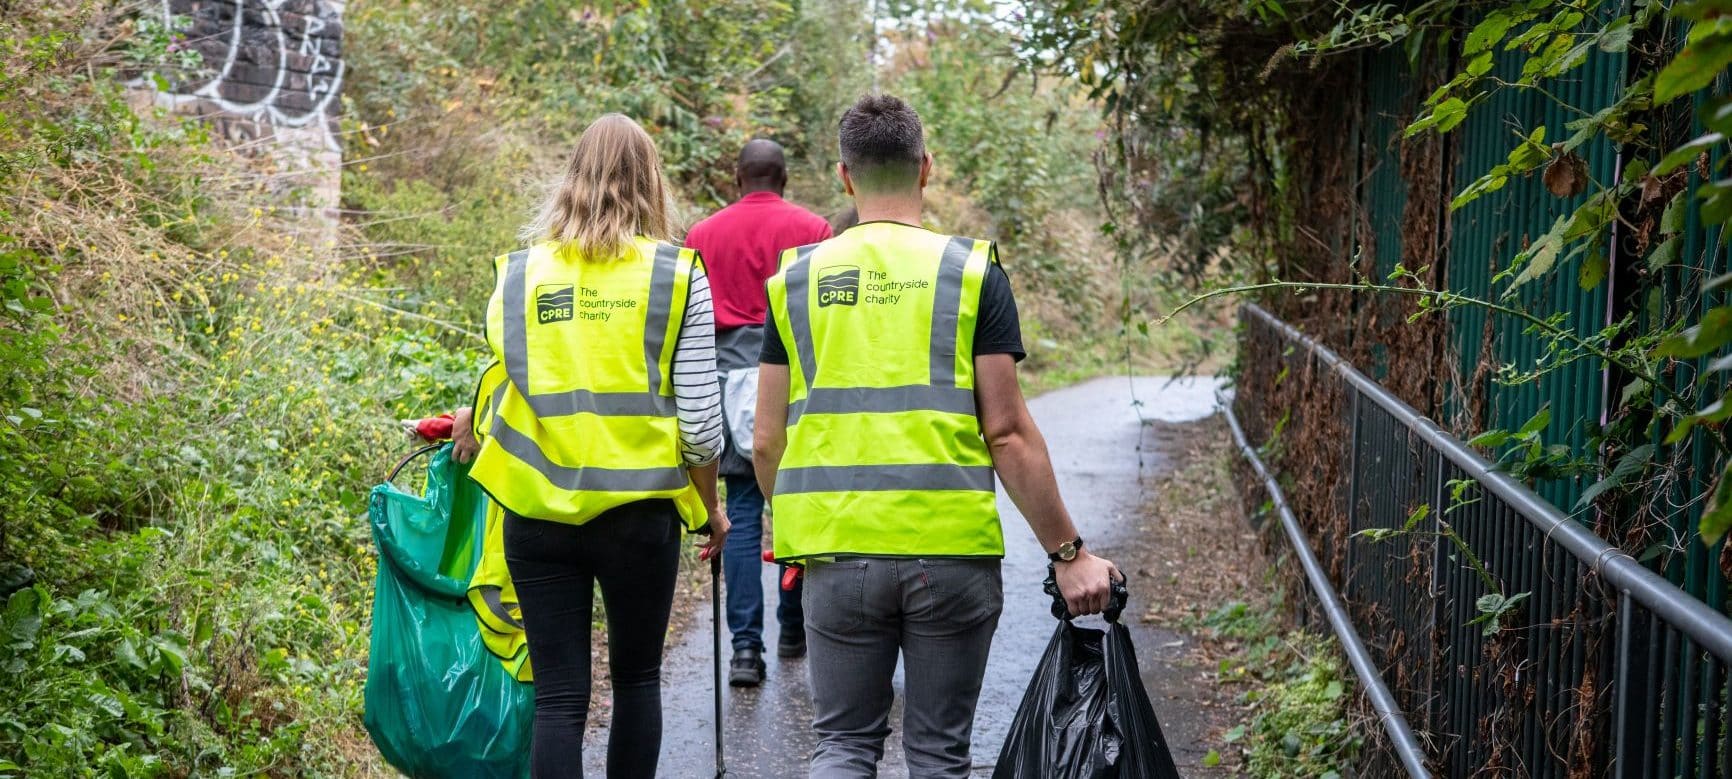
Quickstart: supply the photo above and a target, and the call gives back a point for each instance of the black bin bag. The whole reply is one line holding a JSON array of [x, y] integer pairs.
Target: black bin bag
[[1086, 714]]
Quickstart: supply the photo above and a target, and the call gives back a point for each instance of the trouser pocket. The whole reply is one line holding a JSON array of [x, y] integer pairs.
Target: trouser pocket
[[835, 594], [962, 592]]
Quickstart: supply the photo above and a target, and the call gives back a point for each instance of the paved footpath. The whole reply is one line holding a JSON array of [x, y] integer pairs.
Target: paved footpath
[[1105, 457]]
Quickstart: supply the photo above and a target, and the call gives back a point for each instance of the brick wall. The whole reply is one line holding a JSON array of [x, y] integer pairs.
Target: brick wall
[[270, 82]]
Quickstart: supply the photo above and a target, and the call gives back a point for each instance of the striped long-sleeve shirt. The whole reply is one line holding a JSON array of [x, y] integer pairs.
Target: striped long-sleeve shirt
[[696, 395]]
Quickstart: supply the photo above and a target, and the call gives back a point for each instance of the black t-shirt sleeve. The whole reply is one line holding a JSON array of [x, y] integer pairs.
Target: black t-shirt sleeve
[[997, 330], [773, 352]]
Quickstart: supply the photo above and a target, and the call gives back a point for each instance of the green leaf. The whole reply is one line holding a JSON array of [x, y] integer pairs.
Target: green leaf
[[1717, 115], [1486, 34], [109, 704], [1716, 203], [1717, 283], [171, 652], [1713, 332], [1616, 36], [1233, 734], [1480, 64], [1212, 759], [1716, 412], [1417, 516], [1664, 253], [1687, 153], [127, 653], [1490, 439], [1717, 517], [1444, 116], [1537, 422], [24, 618], [1629, 465], [1672, 219], [1532, 151], [1593, 270], [1571, 58], [1541, 255], [1333, 690], [1694, 68]]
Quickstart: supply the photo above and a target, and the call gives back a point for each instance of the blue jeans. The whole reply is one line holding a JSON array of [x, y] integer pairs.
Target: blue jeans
[[742, 561]]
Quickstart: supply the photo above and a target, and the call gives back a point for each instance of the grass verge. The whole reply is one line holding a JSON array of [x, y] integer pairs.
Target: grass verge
[[1285, 693]]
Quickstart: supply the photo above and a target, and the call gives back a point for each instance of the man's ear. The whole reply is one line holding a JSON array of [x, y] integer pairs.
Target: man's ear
[[925, 169], [847, 181]]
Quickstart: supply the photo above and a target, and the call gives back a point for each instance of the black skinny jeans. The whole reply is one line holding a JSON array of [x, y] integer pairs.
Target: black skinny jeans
[[633, 551]]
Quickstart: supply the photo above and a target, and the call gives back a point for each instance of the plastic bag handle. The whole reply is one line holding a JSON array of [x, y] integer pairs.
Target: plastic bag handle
[[410, 457], [1117, 598], [432, 581]]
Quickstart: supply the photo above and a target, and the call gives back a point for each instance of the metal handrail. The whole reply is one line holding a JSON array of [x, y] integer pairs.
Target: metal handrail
[[1708, 628], [1388, 712]]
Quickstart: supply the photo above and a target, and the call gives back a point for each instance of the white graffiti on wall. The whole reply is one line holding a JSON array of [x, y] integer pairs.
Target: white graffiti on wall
[[276, 63]]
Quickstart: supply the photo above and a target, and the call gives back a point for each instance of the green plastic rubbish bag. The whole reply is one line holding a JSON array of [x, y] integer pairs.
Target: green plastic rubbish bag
[[437, 703]]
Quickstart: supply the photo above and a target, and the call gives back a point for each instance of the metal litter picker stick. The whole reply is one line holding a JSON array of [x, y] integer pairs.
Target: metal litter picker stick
[[716, 653]]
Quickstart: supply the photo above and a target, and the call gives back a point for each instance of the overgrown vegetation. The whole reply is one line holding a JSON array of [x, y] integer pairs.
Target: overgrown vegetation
[[1253, 78], [1488, 206], [1295, 693]]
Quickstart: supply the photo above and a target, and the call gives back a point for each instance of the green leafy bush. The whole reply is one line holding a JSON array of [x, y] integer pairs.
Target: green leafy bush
[[1296, 695]]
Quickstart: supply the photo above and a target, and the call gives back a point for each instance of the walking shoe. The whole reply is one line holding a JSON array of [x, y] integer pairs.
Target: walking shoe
[[747, 668], [792, 642]]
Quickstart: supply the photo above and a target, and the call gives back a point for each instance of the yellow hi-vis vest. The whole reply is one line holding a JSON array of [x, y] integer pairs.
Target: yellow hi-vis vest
[[494, 599], [884, 452], [577, 415]]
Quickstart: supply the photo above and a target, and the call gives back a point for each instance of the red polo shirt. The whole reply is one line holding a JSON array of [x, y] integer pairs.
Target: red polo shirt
[[741, 245]]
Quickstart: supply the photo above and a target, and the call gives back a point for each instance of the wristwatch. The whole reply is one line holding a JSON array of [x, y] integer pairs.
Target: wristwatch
[[1066, 551]]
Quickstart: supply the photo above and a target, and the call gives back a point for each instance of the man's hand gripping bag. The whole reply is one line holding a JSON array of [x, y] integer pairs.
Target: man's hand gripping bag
[[1086, 714]]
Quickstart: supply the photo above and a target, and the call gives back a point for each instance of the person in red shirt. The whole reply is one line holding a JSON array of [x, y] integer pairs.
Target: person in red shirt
[[741, 246]]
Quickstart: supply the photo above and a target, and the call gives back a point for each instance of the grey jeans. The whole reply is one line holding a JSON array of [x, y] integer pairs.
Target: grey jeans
[[940, 615]]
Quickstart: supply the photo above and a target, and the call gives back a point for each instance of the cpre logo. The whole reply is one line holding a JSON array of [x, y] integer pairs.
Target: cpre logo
[[554, 302], [839, 285]]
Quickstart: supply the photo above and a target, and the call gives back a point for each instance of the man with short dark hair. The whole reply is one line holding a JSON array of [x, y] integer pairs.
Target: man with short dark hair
[[740, 245], [888, 402]]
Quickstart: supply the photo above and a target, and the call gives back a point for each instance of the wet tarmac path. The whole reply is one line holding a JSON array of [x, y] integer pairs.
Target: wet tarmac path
[[1105, 457]]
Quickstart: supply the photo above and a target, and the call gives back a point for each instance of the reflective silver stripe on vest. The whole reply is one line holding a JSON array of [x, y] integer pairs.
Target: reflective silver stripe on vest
[[941, 395], [854, 400], [946, 308], [661, 302], [585, 479], [490, 595], [878, 478], [582, 401], [516, 324], [800, 314]]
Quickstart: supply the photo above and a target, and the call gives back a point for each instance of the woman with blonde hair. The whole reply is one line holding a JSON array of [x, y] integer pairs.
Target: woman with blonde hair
[[597, 429]]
